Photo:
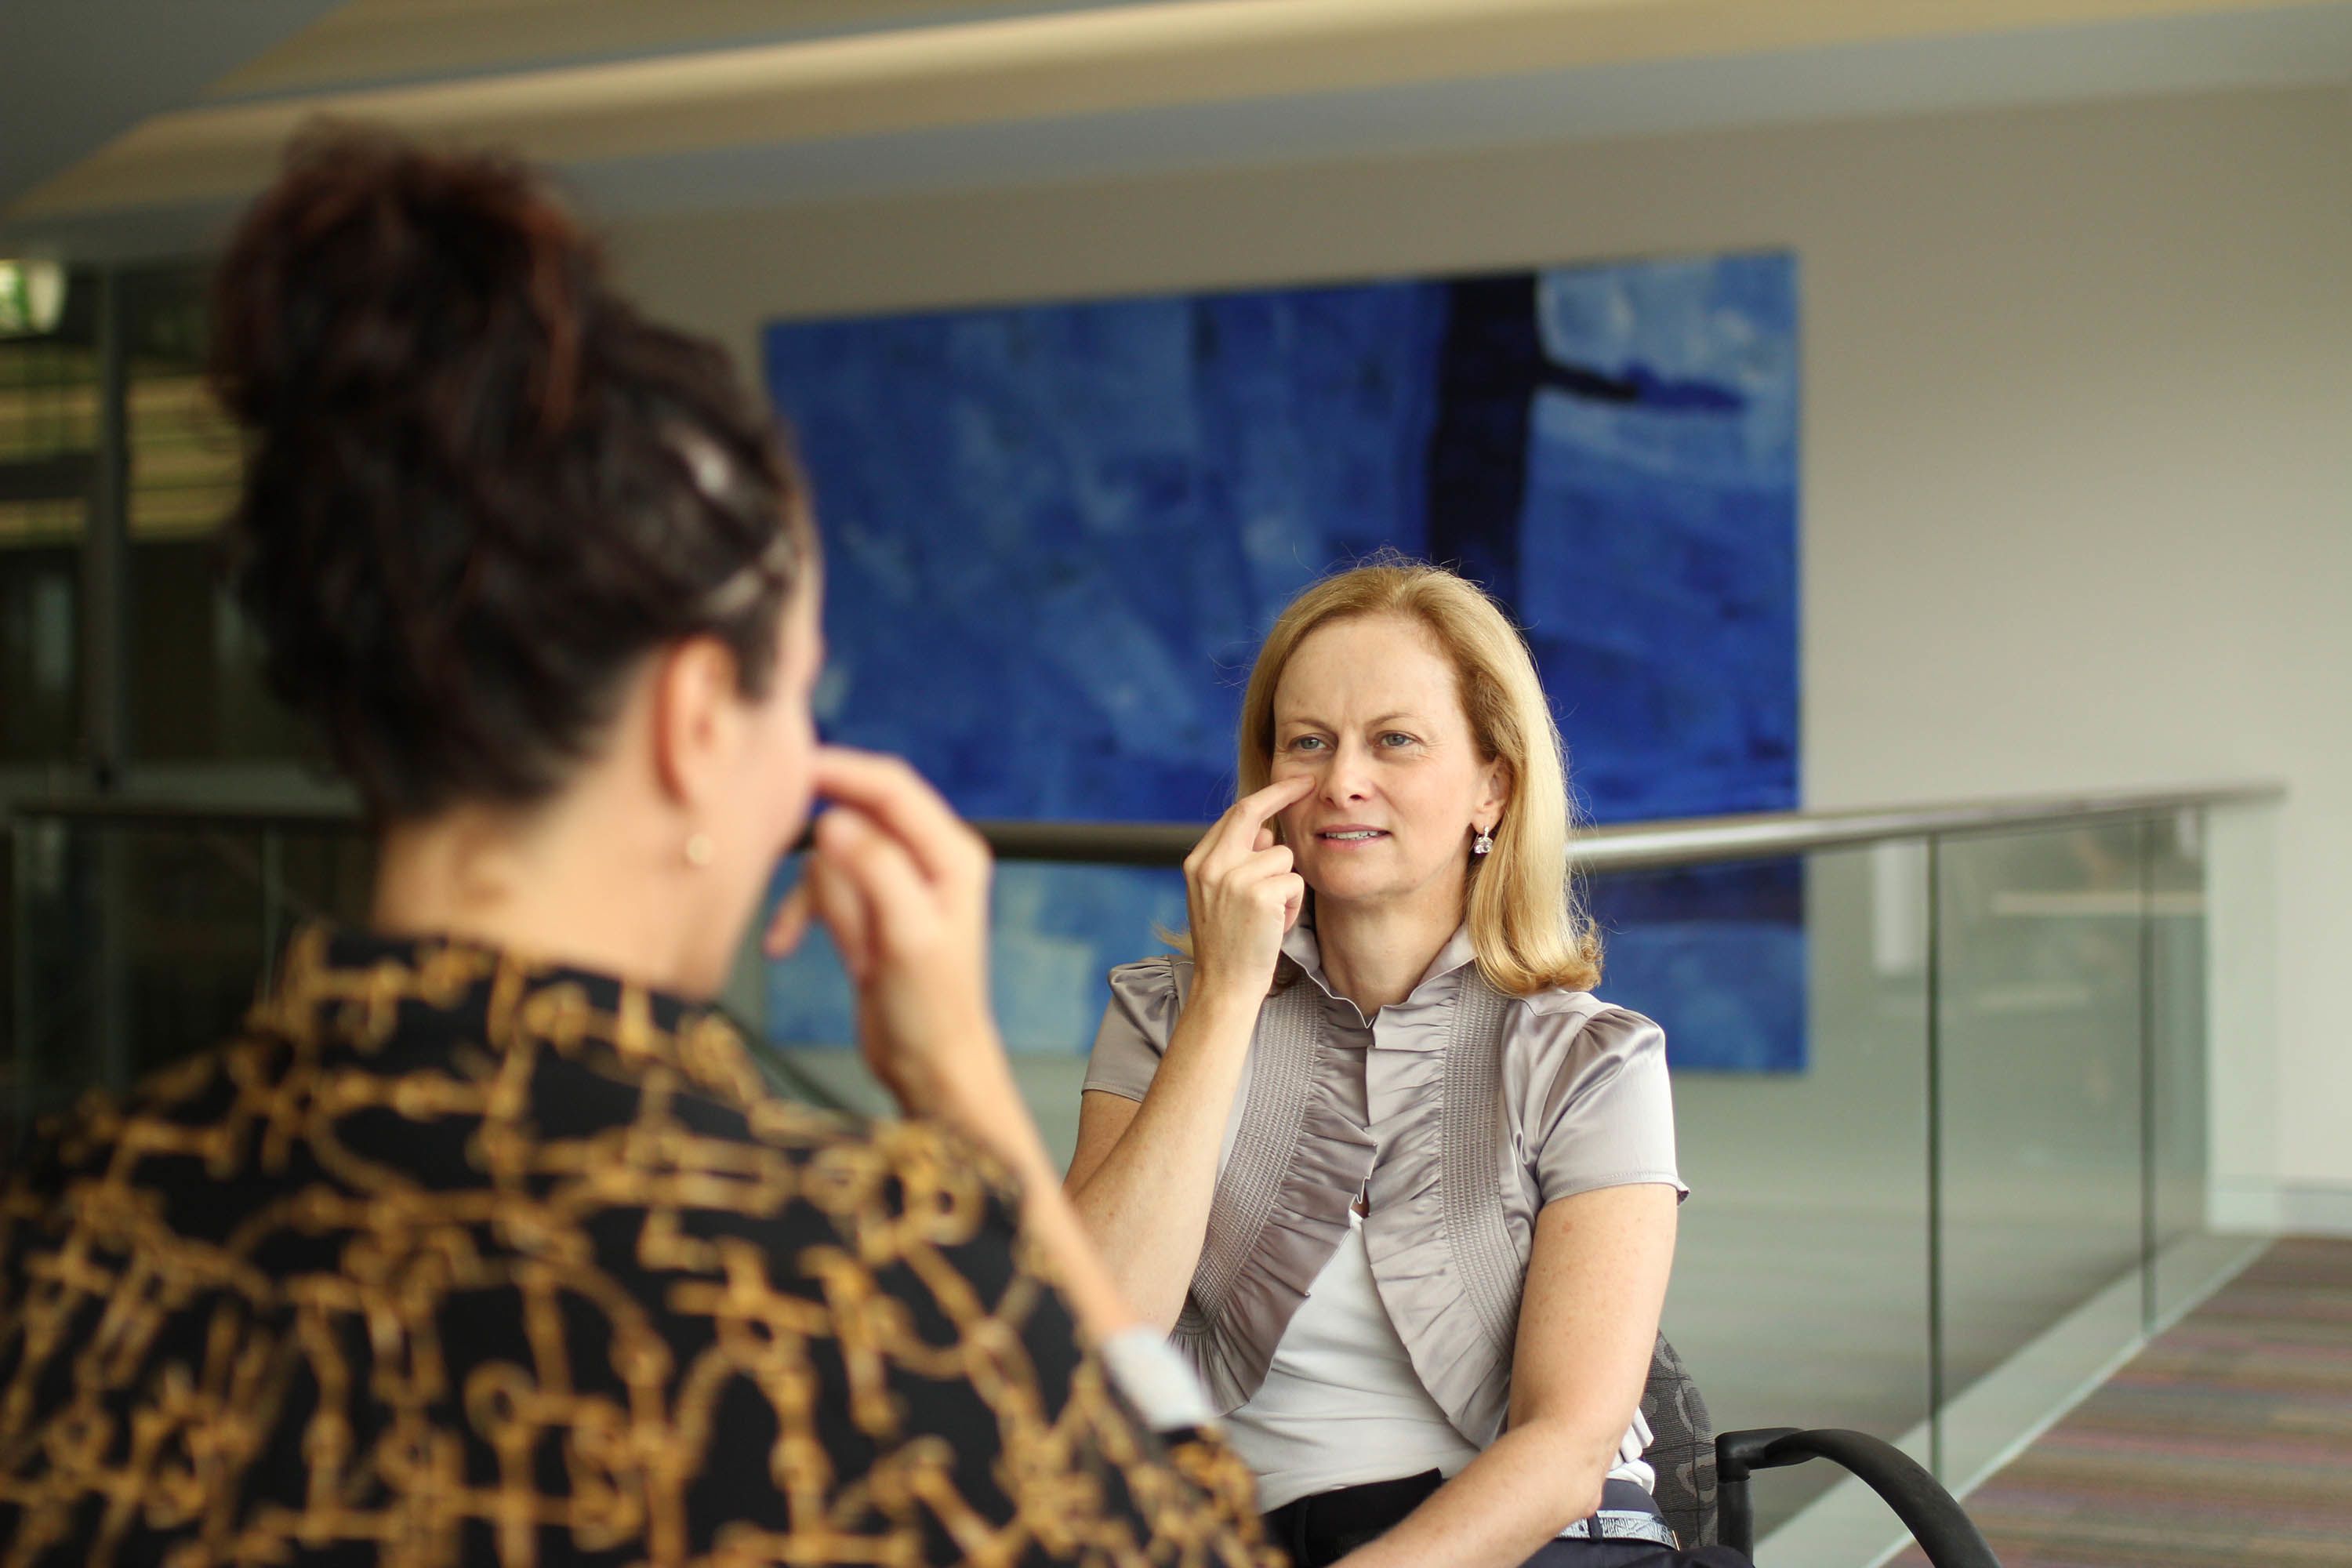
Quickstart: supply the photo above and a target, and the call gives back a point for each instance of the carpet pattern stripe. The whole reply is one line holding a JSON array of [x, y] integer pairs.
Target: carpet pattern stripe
[[2226, 1442]]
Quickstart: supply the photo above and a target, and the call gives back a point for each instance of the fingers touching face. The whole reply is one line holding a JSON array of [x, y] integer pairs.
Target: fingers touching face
[[1368, 714]]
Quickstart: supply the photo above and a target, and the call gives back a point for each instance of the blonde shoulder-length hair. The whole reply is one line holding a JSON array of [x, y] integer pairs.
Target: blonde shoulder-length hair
[[1528, 921]]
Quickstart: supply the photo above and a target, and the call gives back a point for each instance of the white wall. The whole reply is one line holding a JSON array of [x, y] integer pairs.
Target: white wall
[[2077, 502]]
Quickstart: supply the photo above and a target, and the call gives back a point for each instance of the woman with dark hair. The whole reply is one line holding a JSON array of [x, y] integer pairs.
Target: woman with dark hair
[[484, 1241]]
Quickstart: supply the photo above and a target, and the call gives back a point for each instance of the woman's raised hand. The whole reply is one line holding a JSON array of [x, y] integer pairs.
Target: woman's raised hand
[[1242, 892], [902, 884]]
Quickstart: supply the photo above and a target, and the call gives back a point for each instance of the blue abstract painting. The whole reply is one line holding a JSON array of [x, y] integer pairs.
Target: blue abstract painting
[[1056, 533]]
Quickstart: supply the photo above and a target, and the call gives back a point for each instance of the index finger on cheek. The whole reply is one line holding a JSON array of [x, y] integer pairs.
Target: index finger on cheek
[[1254, 813]]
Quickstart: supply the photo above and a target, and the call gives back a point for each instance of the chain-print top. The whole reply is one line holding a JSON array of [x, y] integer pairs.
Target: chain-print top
[[449, 1257]]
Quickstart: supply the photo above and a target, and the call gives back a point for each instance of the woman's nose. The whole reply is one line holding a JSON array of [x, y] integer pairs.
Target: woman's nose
[[1344, 779]]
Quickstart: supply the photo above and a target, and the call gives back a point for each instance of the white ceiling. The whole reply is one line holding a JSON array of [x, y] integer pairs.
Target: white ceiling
[[377, 43], [74, 74], [741, 103]]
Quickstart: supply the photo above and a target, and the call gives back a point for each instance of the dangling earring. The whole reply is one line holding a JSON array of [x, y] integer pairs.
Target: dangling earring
[[698, 850], [1484, 844]]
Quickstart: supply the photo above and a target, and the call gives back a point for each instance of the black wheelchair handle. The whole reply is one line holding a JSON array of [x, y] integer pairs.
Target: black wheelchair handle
[[1936, 1522]]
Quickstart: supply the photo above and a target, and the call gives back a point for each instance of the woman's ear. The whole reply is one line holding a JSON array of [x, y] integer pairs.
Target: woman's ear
[[697, 718], [1495, 796]]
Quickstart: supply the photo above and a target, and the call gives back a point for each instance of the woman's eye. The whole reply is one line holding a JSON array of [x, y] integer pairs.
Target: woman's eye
[[1306, 743], [1396, 738]]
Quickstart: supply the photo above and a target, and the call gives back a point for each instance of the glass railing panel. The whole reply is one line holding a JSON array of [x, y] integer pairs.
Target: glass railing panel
[[189, 941], [2243, 942], [314, 874], [2073, 975], [2178, 1142], [2039, 1014], [12, 973], [138, 946], [1057, 932], [17, 1018], [58, 1004], [1793, 996]]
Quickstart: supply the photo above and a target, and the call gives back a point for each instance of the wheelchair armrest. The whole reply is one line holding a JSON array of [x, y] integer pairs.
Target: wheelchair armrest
[[1934, 1519]]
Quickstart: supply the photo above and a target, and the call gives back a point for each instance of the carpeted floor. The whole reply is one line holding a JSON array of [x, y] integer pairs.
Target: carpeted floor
[[2227, 1442]]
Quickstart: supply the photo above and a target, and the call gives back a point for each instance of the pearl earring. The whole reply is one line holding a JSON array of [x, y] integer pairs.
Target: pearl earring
[[699, 850], [1484, 844]]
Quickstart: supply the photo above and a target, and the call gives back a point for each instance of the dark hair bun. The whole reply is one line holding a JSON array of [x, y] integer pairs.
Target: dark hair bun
[[372, 267], [480, 487]]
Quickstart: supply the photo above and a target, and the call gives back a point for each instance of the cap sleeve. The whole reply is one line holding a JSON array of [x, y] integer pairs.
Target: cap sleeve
[[1603, 1112], [1145, 998]]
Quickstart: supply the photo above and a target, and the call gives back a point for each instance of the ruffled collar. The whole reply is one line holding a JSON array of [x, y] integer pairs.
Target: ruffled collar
[[1301, 946]]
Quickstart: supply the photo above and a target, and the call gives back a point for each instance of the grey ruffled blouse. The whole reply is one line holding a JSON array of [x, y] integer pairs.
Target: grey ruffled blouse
[[1460, 1111]]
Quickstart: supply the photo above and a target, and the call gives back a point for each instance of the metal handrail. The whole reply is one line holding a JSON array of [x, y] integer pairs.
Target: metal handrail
[[130, 811], [1772, 834], [1619, 847]]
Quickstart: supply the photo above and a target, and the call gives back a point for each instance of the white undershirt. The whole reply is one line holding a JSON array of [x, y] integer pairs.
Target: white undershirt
[[1340, 1405]]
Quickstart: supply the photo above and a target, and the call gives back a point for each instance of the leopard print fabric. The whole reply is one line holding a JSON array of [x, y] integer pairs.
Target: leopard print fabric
[[451, 1259]]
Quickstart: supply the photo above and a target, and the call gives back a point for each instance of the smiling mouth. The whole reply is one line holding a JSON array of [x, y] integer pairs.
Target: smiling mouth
[[1353, 836]]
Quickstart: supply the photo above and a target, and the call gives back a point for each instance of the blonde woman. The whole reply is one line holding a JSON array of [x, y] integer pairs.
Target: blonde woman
[[1399, 1187]]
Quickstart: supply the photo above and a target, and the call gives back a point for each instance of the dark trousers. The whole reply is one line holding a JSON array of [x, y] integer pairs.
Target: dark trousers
[[1631, 1554], [1320, 1529]]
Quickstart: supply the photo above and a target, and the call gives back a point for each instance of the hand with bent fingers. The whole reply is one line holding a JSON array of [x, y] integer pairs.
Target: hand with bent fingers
[[1242, 893], [902, 884]]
